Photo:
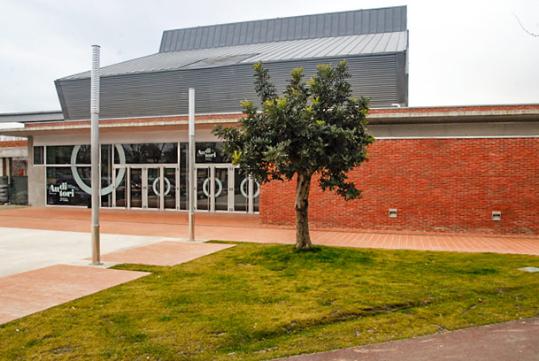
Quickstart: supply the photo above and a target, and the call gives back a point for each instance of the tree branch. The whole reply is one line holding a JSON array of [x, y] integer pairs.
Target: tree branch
[[524, 28]]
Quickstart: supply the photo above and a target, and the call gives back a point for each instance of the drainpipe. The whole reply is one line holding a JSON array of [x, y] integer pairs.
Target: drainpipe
[[95, 157]]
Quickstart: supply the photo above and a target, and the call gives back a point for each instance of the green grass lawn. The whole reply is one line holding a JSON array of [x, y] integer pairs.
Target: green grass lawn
[[256, 302]]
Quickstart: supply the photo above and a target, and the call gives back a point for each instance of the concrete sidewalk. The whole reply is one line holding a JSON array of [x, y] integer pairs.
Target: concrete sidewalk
[[24, 249], [248, 228], [511, 341]]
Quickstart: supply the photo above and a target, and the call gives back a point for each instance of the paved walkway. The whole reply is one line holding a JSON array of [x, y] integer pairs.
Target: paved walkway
[[29, 292], [24, 293], [245, 228], [24, 249], [165, 253], [511, 341]]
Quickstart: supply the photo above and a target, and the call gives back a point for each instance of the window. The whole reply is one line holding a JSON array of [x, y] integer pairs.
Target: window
[[210, 152], [39, 156], [62, 188], [149, 153], [70, 184], [59, 154]]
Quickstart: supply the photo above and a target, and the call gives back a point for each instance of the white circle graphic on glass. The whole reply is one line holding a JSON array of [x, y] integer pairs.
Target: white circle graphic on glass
[[87, 189], [243, 188], [206, 185], [167, 186]]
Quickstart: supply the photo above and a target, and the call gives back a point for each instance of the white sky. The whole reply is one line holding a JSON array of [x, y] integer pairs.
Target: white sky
[[461, 52]]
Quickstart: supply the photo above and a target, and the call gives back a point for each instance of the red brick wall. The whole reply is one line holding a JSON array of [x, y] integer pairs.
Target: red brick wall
[[436, 185]]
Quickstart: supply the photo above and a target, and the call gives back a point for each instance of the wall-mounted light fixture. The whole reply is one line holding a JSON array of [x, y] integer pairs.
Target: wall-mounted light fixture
[[496, 215], [392, 213]]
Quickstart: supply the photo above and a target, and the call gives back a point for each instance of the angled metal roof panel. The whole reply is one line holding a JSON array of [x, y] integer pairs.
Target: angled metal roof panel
[[220, 89], [357, 22], [350, 45], [31, 116]]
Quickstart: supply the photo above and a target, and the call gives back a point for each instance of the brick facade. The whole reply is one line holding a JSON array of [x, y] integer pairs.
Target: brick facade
[[436, 185]]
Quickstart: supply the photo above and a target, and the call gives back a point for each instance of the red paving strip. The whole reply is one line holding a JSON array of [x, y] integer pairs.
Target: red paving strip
[[246, 228], [25, 293], [165, 253], [510, 341]]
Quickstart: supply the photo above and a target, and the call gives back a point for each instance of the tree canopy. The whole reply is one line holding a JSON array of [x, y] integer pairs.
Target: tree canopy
[[316, 127]]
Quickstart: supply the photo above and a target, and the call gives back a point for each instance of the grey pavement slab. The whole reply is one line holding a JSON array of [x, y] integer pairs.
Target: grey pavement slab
[[24, 249]]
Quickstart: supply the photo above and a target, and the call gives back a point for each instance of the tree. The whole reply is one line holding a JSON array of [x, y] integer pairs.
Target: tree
[[314, 129], [535, 35]]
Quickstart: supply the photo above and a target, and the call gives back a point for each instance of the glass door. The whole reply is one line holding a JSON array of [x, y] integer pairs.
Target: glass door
[[135, 188], [148, 187], [119, 195], [214, 188], [241, 198], [153, 188], [220, 188], [246, 193], [170, 188], [203, 189]]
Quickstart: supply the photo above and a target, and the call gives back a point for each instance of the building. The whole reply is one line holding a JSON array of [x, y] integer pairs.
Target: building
[[438, 168]]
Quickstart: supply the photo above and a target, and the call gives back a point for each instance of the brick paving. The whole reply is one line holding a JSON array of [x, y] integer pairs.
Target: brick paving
[[25, 293], [164, 253], [248, 228], [510, 341]]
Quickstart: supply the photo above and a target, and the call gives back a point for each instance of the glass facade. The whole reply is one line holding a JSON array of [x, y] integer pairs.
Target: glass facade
[[62, 189], [147, 176], [70, 183], [39, 156], [149, 153], [210, 152], [59, 154]]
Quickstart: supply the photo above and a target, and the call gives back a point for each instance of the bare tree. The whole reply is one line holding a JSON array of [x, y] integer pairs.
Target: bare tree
[[536, 35]]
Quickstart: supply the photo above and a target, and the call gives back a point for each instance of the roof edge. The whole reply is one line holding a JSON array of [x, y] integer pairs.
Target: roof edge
[[30, 117], [283, 28], [44, 112], [382, 116], [286, 17]]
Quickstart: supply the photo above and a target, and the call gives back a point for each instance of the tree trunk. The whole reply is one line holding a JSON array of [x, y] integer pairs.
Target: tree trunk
[[303, 238]]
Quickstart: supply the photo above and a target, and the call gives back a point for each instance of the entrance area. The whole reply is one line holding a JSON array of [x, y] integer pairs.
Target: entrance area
[[148, 176], [219, 188], [222, 188], [146, 187]]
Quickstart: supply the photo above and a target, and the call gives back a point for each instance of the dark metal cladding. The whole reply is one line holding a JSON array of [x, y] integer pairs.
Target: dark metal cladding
[[380, 77], [383, 20]]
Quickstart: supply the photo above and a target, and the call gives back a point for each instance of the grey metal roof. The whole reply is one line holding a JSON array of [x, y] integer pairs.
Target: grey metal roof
[[381, 77], [216, 61], [26, 117], [328, 47], [369, 21]]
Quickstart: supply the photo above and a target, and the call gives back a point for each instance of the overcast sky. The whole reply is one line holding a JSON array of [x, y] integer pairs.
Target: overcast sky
[[461, 52]]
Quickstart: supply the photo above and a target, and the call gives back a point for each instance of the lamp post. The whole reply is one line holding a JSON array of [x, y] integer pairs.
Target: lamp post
[[95, 156], [191, 165]]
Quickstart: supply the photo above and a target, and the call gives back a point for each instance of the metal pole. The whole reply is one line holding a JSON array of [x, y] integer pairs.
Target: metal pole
[[95, 157], [250, 193], [191, 164]]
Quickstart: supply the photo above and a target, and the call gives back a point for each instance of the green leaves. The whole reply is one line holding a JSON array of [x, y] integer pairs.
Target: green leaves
[[263, 87], [315, 127]]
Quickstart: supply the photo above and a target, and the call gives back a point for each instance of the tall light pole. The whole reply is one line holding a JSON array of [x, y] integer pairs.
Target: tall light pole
[[191, 164], [95, 158]]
